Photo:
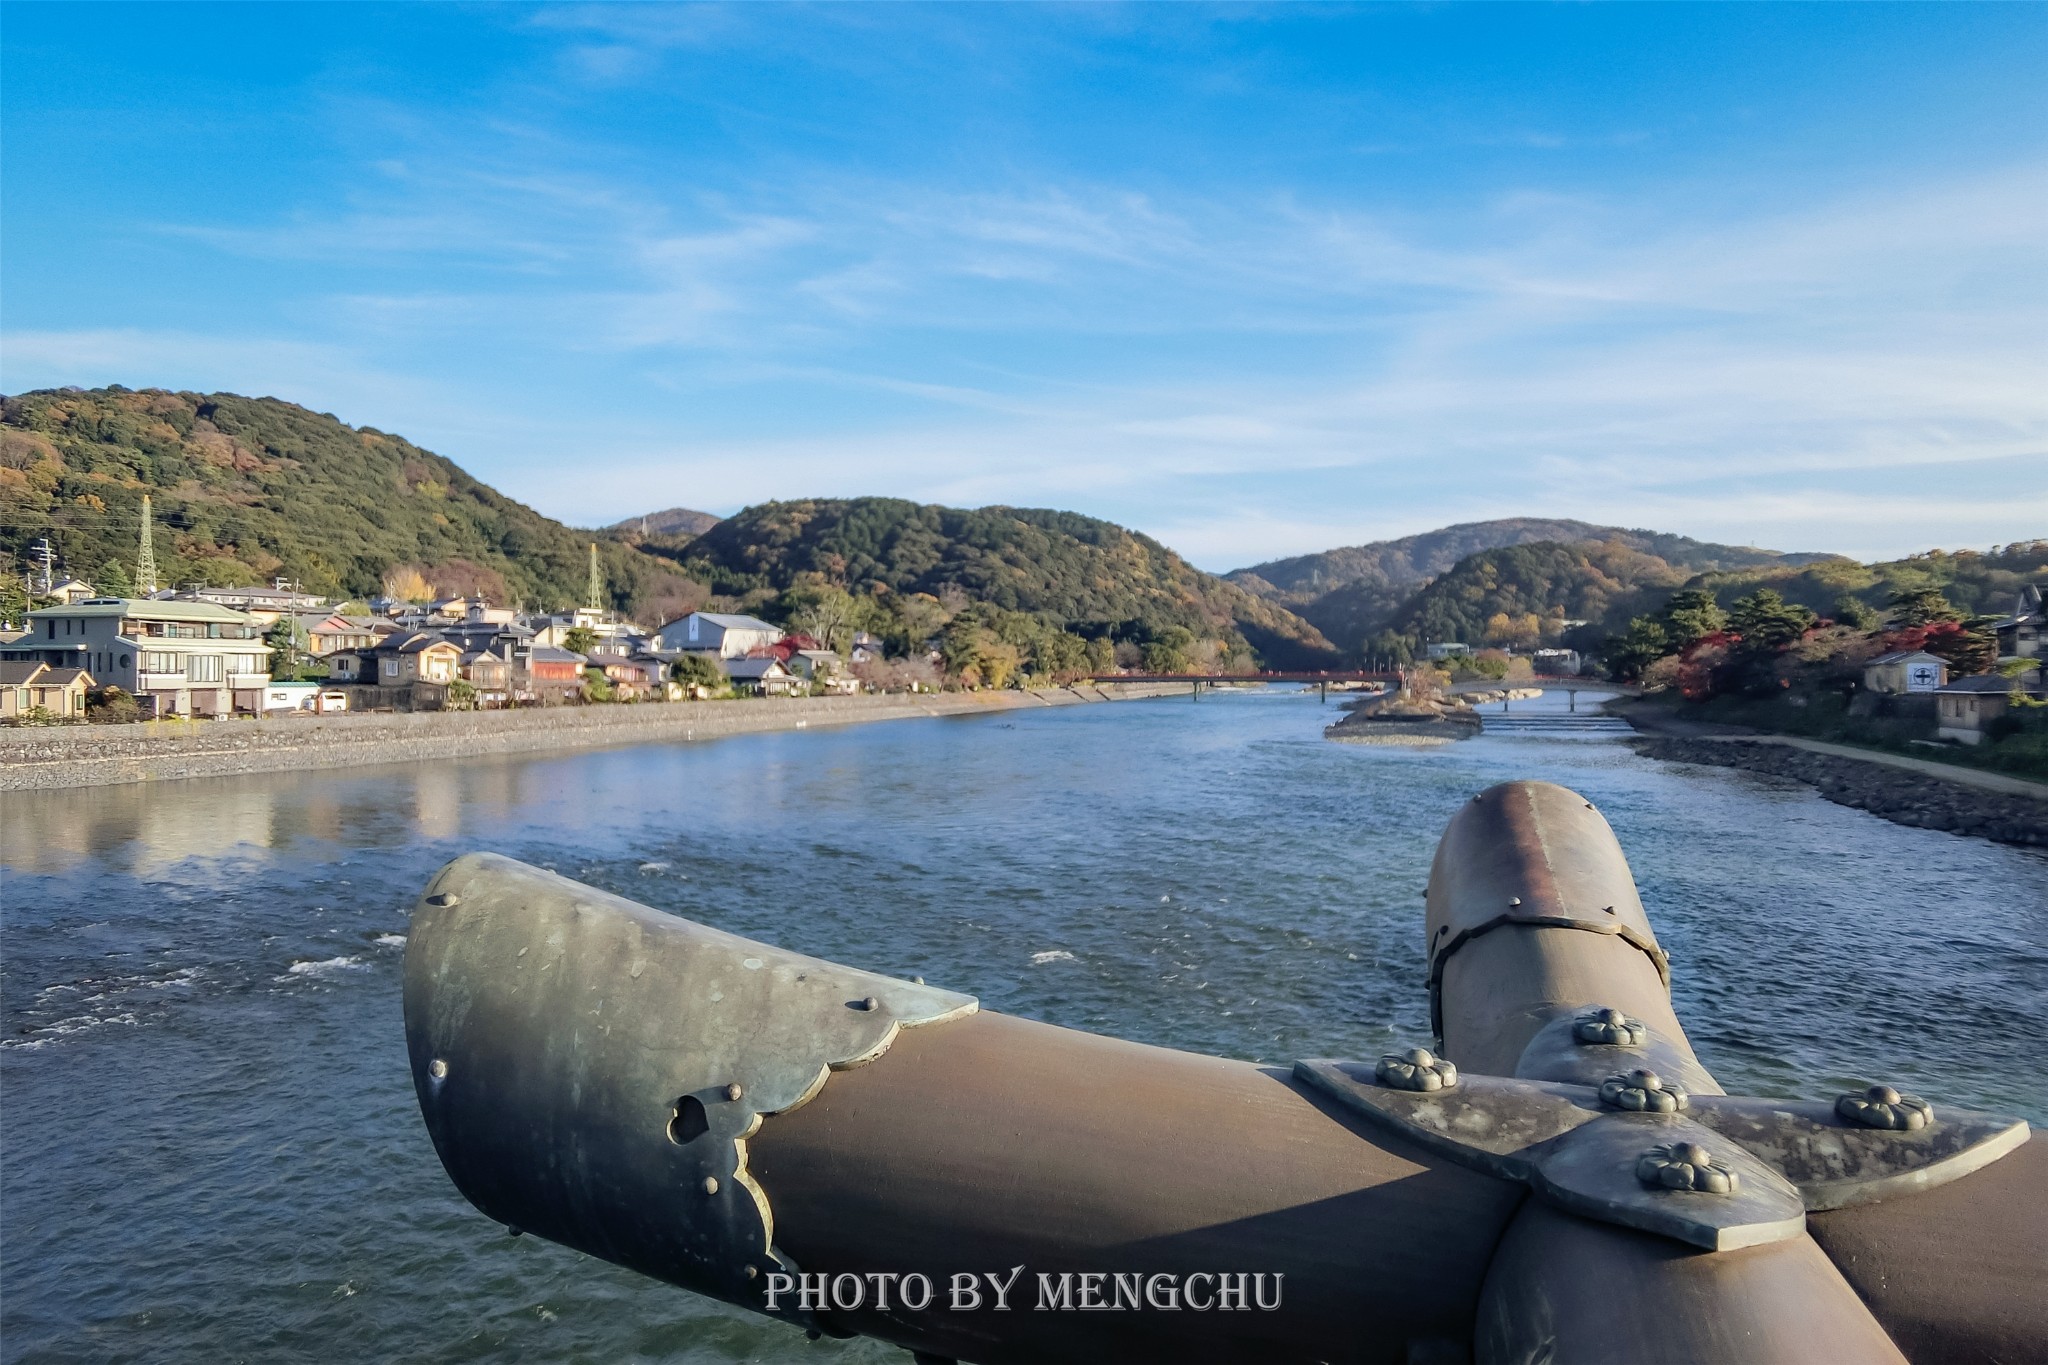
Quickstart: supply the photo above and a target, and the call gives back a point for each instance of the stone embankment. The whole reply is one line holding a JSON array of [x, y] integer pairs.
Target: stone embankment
[[1903, 796], [41, 757]]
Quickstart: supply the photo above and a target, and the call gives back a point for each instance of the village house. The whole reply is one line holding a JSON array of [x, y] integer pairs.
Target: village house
[[553, 674], [719, 634], [72, 591], [763, 675], [602, 625], [27, 685], [418, 656], [822, 668], [1905, 670], [330, 633], [1964, 707], [174, 657], [633, 678], [2019, 635], [267, 605], [490, 674]]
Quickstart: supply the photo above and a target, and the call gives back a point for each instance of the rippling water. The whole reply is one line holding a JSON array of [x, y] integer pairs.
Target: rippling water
[[211, 1147]]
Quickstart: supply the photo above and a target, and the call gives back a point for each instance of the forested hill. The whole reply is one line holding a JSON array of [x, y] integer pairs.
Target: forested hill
[[1358, 590], [1088, 576], [248, 488], [245, 488]]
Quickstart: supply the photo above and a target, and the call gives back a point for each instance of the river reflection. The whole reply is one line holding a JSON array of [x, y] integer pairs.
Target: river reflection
[[212, 1147]]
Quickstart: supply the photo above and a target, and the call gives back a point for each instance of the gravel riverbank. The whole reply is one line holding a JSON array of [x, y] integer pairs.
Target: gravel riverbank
[[37, 757], [1902, 796]]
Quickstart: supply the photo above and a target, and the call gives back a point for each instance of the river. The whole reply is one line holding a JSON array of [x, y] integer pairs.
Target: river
[[211, 1147]]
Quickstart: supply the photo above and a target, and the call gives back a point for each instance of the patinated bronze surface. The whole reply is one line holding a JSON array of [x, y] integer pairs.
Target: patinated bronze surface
[[1557, 1178]]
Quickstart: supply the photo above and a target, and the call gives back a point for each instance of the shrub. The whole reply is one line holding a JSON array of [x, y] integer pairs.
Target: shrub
[[111, 706]]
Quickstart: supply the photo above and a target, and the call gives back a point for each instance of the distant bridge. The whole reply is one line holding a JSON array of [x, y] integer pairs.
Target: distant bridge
[[1323, 681]]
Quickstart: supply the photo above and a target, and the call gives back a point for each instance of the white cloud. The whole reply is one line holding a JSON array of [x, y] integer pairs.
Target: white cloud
[[1247, 377]]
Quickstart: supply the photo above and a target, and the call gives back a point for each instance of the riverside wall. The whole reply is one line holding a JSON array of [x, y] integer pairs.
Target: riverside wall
[[1955, 804], [44, 757]]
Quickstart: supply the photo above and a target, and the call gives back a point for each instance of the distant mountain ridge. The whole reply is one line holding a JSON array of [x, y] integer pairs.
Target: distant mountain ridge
[[1357, 590], [682, 522]]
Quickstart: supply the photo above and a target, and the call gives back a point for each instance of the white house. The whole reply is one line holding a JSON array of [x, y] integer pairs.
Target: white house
[[710, 632], [183, 657], [1906, 670]]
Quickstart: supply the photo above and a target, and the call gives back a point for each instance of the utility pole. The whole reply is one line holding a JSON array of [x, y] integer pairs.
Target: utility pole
[[145, 557], [43, 555]]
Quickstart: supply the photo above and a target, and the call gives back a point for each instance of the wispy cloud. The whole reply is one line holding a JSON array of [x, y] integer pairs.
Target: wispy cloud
[[1247, 365]]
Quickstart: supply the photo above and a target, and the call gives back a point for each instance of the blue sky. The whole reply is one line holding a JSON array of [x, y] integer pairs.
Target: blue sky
[[1256, 280]]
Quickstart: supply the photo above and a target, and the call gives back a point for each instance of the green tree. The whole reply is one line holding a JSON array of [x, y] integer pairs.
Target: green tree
[[1642, 644], [14, 606], [112, 580], [827, 614], [1170, 651], [1768, 623], [289, 662], [1856, 614], [1692, 614], [579, 639], [697, 670], [596, 686], [1389, 649], [1919, 607], [462, 695]]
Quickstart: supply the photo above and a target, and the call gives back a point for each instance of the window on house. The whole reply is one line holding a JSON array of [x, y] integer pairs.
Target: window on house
[[391, 668], [124, 661], [202, 668], [160, 661]]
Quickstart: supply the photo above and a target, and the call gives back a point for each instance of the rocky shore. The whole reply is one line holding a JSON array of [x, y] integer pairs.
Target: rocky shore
[[1903, 797], [39, 757]]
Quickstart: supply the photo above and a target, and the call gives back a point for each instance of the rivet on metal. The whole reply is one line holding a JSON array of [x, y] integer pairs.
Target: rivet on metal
[[1883, 1107], [1608, 1027], [1415, 1069], [917, 981], [1514, 900], [869, 1003], [514, 1232], [711, 1184], [1643, 1091], [753, 1272], [734, 1091], [438, 1069], [444, 898], [1685, 1166]]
